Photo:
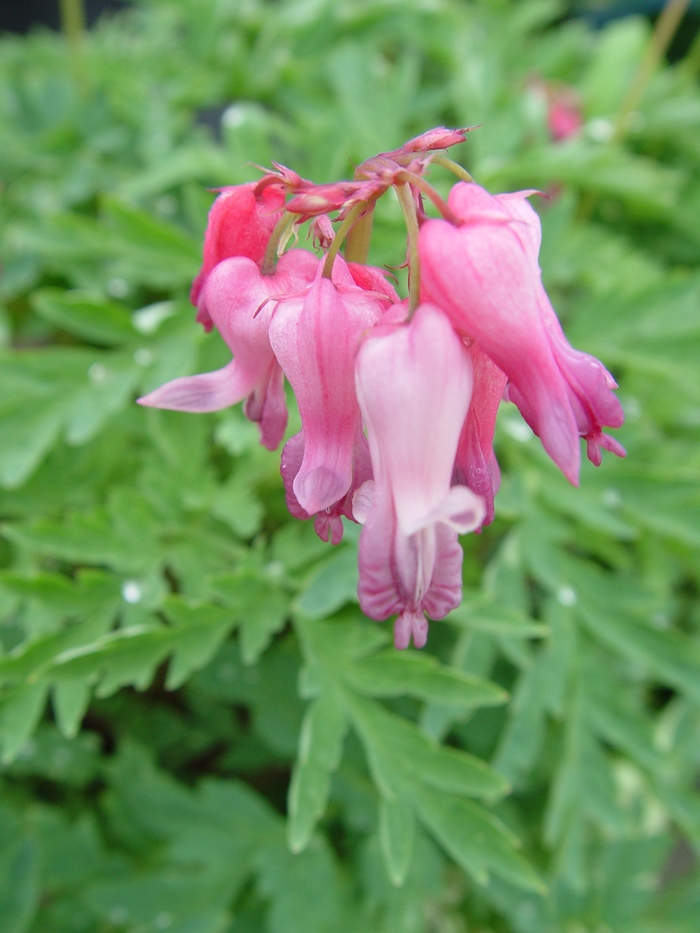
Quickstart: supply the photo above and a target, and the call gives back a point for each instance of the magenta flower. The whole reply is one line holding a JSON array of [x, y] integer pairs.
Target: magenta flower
[[240, 301], [240, 223], [414, 383], [315, 339], [485, 276]]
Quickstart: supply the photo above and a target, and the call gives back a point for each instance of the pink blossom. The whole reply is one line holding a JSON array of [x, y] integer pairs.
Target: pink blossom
[[238, 298], [564, 117], [328, 522], [240, 223], [315, 339], [475, 464], [414, 383], [485, 275]]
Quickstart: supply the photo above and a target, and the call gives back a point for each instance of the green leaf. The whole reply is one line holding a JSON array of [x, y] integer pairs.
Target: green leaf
[[332, 584], [393, 673], [19, 885], [85, 315], [20, 711], [477, 841], [397, 829], [260, 609], [320, 750]]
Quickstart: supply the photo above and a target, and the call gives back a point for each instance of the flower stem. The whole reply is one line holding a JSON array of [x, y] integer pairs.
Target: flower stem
[[408, 206], [72, 21], [452, 166], [664, 31], [73, 29], [340, 234], [278, 235], [358, 238], [417, 182]]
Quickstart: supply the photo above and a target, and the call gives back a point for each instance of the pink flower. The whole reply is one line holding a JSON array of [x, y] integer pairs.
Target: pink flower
[[327, 522], [315, 339], [414, 383], [476, 465], [485, 276], [241, 301], [564, 117], [240, 223]]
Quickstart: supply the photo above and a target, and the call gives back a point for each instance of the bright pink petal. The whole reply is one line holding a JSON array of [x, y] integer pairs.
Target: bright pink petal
[[327, 522], [239, 224], [475, 464], [206, 392], [315, 341], [414, 383], [481, 275]]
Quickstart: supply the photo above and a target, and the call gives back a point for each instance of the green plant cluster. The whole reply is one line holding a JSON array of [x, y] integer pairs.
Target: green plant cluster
[[199, 731]]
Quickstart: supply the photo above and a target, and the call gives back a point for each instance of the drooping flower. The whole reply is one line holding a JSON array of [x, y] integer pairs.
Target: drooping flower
[[414, 383], [241, 303], [240, 222], [485, 276], [475, 464], [315, 338]]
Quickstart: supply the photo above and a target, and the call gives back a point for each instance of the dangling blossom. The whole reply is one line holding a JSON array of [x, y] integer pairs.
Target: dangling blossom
[[315, 339], [414, 384], [241, 301], [398, 399], [485, 275], [240, 223]]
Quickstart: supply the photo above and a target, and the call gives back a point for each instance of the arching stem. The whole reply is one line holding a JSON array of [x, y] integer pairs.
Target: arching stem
[[417, 182], [452, 166], [280, 232], [340, 234], [408, 206]]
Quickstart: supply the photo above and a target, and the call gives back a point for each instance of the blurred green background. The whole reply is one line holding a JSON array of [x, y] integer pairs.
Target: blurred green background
[[166, 628]]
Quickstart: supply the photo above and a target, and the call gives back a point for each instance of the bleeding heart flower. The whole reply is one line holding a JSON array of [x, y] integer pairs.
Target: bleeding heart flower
[[241, 302], [486, 277], [414, 384]]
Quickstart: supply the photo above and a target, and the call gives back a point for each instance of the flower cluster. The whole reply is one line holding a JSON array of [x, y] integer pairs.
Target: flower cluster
[[398, 398]]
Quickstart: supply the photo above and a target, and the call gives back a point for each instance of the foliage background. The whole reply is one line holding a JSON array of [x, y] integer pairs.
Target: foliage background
[[172, 642]]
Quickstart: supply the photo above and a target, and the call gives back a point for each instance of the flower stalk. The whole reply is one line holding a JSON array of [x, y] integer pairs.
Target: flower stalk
[[408, 206]]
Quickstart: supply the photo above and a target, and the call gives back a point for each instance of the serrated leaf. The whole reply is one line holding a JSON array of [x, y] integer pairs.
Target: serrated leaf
[[259, 607], [199, 633], [477, 841]]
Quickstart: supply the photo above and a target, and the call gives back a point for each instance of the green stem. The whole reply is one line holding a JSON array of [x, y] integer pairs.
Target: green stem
[[664, 31], [72, 21], [340, 234], [452, 166], [358, 239], [417, 182], [281, 230], [408, 206]]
